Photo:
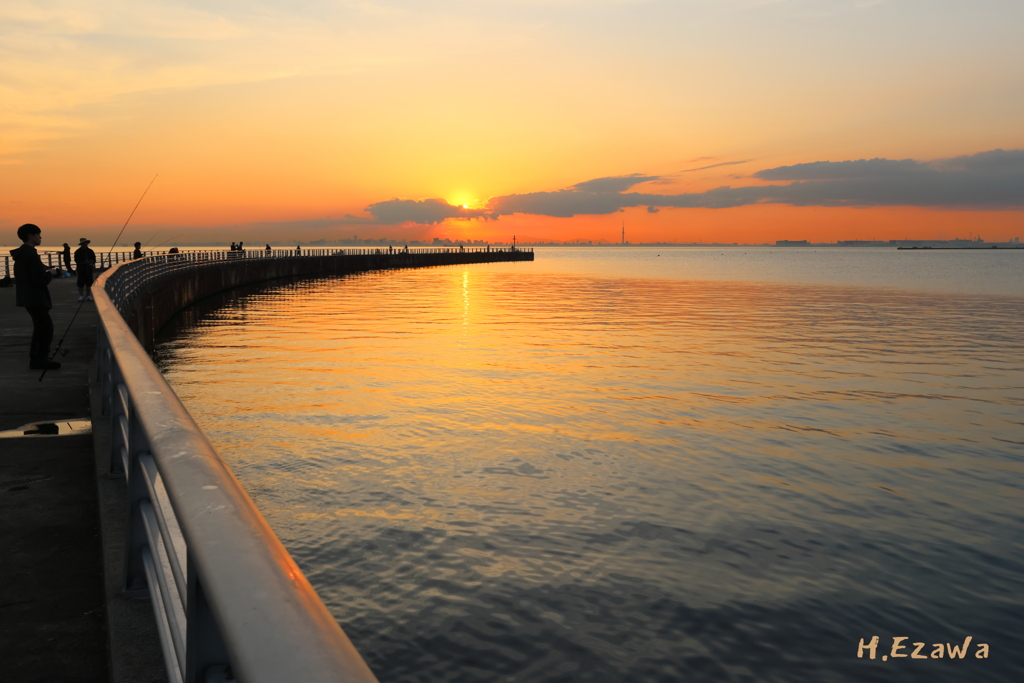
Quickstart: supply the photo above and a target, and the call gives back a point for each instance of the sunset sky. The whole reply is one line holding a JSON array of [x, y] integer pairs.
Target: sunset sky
[[548, 119]]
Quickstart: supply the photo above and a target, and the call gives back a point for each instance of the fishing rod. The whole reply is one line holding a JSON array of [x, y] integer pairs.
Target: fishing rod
[[132, 214], [82, 302]]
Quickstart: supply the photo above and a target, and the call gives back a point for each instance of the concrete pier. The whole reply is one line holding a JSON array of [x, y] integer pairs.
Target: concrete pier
[[167, 295], [53, 622]]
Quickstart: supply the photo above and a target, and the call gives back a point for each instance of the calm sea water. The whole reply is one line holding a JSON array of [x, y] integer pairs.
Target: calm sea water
[[638, 464]]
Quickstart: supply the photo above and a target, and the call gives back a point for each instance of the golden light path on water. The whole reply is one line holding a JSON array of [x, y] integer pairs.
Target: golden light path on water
[[501, 472]]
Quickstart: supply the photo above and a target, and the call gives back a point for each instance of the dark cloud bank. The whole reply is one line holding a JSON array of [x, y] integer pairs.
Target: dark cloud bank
[[422, 211], [987, 180]]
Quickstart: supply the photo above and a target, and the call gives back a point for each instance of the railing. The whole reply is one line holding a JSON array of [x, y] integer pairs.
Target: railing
[[54, 259], [230, 603], [123, 285]]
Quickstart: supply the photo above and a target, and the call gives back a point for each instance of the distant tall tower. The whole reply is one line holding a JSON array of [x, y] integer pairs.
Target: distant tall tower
[[623, 232]]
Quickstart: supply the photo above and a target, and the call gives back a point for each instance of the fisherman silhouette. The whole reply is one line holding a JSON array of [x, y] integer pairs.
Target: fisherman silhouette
[[85, 261], [32, 280]]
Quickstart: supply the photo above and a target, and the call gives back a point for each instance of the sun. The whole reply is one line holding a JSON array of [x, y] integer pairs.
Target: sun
[[462, 198]]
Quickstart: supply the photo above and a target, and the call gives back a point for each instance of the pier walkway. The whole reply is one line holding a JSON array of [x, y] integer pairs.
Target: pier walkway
[[52, 615]]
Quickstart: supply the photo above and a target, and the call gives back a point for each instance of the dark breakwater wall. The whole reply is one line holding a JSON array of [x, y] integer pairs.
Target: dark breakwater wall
[[159, 300]]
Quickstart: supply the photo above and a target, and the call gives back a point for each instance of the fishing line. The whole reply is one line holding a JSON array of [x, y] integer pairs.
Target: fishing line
[[169, 239], [82, 302], [146, 244]]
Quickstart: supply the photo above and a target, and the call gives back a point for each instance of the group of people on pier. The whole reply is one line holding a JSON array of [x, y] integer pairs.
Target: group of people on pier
[[239, 248], [32, 280]]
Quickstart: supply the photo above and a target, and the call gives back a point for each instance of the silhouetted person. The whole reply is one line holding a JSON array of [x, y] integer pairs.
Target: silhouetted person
[[32, 280], [138, 250], [268, 247], [240, 247], [67, 258], [298, 249], [85, 263]]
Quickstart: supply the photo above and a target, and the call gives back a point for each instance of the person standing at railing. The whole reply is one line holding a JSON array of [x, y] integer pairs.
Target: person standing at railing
[[31, 281], [268, 248], [67, 258], [85, 263], [138, 250]]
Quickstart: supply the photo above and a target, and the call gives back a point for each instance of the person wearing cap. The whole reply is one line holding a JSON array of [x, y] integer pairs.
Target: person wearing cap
[[32, 280], [85, 262]]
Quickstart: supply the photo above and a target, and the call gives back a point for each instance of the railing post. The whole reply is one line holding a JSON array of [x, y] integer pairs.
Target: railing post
[[206, 657], [107, 363], [134, 581], [121, 430], [102, 357]]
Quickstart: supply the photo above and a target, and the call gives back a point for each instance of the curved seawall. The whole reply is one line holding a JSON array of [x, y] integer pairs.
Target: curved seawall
[[147, 308]]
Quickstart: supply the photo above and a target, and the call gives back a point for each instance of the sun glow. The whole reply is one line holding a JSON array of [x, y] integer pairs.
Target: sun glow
[[463, 199]]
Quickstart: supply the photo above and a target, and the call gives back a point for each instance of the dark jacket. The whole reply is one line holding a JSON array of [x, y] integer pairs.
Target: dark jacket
[[31, 278], [85, 257]]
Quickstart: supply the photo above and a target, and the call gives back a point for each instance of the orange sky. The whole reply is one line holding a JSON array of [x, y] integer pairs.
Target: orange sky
[[277, 122]]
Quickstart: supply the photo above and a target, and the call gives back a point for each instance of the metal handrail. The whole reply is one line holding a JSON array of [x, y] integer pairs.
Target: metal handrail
[[106, 260], [246, 612]]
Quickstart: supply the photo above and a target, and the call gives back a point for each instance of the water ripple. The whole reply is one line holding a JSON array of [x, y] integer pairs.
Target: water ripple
[[496, 474]]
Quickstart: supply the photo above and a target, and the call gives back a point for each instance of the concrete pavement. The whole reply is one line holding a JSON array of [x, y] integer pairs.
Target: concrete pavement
[[62, 615], [52, 608]]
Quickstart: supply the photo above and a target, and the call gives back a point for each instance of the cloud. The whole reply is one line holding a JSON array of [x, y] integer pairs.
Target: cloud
[[423, 211], [563, 204], [598, 196], [996, 161], [843, 170], [987, 180], [614, 184], [724, 163]]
